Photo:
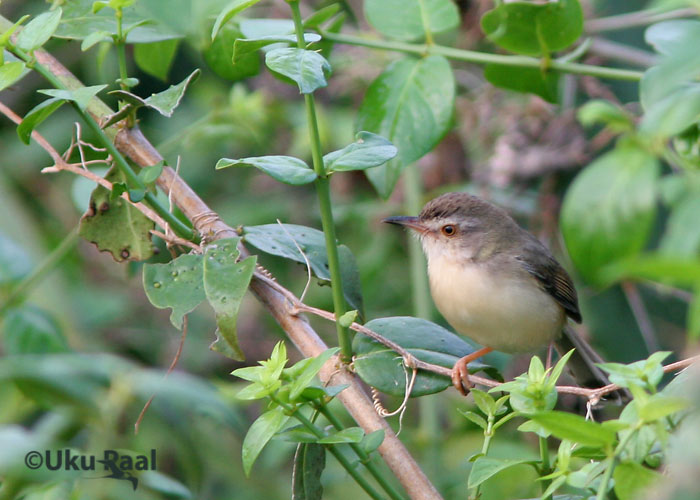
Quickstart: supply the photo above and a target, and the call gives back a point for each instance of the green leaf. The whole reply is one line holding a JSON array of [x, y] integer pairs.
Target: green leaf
[[10, 72], [233, 8], [484, 468], [243, 47], [280, 240], [533, 80], [309, 462], [659, 406], [348, 435], [383, 368], [35, 116], [177, 285], [348, 319], [321, 15], [15, 262], [369, 150], [475, 418], [39, 30], [654, 267], [372, 441], [116, 226], [283, 168], [221, 56], [81, 96], [259, 28], [672, 114], [484, 402], [534, 29], [631, 479], [411, 104], [94, 38], [135, 195], [410, 19], [606, 113], [306, 67], [5, 36], [156, 58], [682, 235], [668, 37], [151, 173], [165, 102], [30, 330], [225, 284], [262, 430], [575, 428], [609, 210], [167, 486], [304, 379]]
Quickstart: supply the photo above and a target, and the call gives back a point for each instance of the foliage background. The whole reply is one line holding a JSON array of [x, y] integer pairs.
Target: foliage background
[[513, 148]]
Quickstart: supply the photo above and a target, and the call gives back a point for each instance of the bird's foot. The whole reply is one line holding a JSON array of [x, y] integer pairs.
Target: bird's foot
[[460, 371]]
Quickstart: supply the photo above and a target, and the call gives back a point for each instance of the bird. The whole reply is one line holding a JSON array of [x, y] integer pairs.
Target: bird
[[497, 284]]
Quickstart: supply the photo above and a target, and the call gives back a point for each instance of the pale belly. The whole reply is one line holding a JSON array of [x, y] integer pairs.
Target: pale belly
[[506, 314]]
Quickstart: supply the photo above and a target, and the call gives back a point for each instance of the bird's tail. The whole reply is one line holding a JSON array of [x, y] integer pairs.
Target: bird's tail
[[582, 364]]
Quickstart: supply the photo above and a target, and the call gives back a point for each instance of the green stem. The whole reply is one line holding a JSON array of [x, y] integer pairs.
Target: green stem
[[363, 456], [546, 465], [179, 227], [324, 198], [120, 44], [420, 292], [603, 488], [342, 459], [485, 58], [39, 272]]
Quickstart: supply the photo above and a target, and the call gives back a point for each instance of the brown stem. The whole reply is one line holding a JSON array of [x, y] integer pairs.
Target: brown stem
[[132, 143]]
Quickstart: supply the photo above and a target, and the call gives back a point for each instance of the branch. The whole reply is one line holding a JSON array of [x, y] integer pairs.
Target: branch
[[485, 57], [593, 395], [132, 143], [636, 19]]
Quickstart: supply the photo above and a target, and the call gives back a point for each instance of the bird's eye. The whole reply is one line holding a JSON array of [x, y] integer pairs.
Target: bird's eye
[[449, 230]]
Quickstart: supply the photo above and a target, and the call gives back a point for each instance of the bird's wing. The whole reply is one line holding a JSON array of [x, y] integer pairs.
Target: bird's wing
[[538, 261]]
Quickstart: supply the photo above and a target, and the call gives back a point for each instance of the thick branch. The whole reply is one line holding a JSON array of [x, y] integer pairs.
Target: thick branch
[[132, 143]]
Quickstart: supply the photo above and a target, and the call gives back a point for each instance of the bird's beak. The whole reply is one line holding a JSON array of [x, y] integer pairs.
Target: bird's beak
[[407, 221]]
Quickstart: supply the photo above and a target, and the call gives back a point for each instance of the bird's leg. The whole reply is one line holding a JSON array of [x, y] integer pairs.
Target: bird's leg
[[460, 371]]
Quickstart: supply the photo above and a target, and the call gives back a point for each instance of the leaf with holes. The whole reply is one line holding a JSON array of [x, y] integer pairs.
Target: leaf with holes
[[225, 283], [280, 240], [383, 368], [177, 285], [115, 225]]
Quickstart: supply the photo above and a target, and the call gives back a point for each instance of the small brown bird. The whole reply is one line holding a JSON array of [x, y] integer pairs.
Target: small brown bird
[[497, 284]]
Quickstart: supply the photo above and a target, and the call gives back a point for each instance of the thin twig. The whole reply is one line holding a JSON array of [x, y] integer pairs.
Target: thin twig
[[308, 264], [590, 394], [635, 19], [173, 363]]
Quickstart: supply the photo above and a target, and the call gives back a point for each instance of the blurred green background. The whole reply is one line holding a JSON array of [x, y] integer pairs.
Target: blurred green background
[[514, 149]]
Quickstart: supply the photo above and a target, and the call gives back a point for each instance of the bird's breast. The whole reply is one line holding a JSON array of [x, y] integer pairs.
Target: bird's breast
[[497, 305]]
